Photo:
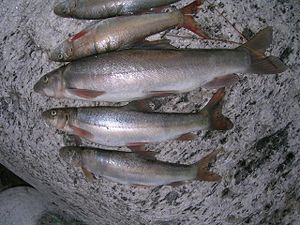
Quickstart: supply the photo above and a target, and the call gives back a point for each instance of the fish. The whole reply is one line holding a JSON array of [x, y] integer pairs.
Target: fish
[[133, 127], [101, 9], [119, 33], [135, 74], [132, 168]]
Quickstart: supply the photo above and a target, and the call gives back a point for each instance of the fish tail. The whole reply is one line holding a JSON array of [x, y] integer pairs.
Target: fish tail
[[189, 21], [203, 172], [256, 47], [213, 110]]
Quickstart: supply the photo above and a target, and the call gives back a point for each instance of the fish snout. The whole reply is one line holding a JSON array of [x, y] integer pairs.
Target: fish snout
[[38, 87], [56, 55], [61, 9]]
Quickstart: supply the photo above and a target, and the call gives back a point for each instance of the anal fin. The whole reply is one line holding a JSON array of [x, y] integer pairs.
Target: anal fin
[[187, 137], [222, 81], [160, 93]]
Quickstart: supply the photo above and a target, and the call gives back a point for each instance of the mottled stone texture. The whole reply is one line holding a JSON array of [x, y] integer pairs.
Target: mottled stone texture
[[260, 165]]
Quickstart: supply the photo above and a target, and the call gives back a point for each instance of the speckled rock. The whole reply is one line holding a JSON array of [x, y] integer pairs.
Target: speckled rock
[[260, 165]]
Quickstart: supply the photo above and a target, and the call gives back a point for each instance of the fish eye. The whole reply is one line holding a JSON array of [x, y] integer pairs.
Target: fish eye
[[53, 113], [45, 79], [60, 56]]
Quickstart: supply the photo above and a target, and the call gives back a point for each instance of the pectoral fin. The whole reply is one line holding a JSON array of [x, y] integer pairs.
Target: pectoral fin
[[84, 93], [89, 176], [81, 132]]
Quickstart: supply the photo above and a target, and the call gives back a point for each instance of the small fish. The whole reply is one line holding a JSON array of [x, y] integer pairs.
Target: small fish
[[136, 74], [101, 9], [117, 126], [135, 169], [123, 32]]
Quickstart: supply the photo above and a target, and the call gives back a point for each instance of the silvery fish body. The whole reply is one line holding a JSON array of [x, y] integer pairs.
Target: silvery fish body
[[121, 126], [116, 127], [133, 168], [99, 9], [113, 34], [136, 74]]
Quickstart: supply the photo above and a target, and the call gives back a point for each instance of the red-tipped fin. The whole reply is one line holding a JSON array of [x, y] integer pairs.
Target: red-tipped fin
[[192, 8], [203, 172], [86, 94], [138, 105], [78, 35], [136, 147], [88, 175], [139, 148], [81, 132], [189, 21], [157, 44], [213, 110], [187, 137], [222, 81], [160, 93]]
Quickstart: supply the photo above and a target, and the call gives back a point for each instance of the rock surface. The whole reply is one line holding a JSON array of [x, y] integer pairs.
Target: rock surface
[[260, 165]]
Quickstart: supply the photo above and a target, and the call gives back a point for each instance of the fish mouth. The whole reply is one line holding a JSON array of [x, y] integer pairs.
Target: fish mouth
[[61, 9], [37, 88]]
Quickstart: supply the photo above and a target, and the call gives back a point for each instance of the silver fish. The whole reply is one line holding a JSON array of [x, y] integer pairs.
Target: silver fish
[[136, 74], [136, 169], [122, 32], [117, 126], [100, 9]]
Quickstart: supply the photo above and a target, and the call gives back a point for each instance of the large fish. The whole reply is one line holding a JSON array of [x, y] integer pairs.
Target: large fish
[[135, 74], [114, 126], [100, 9], [135, 169], [123, 32]]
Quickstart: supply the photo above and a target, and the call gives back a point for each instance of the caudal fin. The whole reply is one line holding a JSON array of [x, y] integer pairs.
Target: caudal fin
[[203, 172], [189, 21], [213, 110], [261, 64]]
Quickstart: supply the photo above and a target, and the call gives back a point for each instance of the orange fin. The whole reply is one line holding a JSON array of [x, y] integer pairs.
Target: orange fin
[[176, 184], [78, 35], [84, 93], [89, 176], [81, 132], [77, 140], [160, 93], [256, 47], [139, 148], [214, 111], [203, 167], [187, 137], [222, 81], [157, 44], [136, 147], [139, 105], [189, 22]]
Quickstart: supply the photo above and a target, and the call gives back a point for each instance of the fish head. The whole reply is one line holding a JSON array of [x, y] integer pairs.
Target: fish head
[[57, 117], [51, 84], [71, 155], [63, 52], [65, 8]]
